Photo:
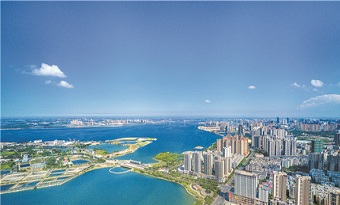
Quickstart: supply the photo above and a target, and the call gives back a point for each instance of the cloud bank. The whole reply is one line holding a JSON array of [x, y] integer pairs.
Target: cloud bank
[[65, 84], [49, 70], [320, 100], [207, 101]]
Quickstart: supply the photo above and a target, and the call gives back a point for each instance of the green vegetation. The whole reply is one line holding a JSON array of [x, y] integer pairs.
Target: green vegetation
[[7, 165], [100, 152], [296, 168], [212, 147], [10, 154], [321, 133], [169, 158], [171, 161], [209, 200]]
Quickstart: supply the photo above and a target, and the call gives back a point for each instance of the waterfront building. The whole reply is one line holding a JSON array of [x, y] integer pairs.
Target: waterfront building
[[280, 185], [197, 162], [317, 146], [219, 145], [246, 183], [187, 161], [219, 169], [303, 190], [208, 160]]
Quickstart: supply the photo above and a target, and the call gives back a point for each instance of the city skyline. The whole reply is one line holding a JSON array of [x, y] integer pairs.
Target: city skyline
[[230, 59]]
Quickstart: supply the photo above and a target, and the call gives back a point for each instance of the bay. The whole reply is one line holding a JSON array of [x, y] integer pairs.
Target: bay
[[103, 187]]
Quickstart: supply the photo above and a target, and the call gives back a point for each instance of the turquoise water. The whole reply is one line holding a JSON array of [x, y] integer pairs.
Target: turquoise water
[[102, 187], [108, 147]]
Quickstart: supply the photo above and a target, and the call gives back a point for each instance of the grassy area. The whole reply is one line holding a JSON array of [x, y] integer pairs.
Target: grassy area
[[7, 153], [212, 147], [7, 165], [100, 152], [168, 157]]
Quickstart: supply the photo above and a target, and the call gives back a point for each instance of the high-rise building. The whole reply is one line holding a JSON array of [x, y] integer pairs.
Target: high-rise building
[[333, 162], [263, 194], [187, 161], [227, 166], [240, 131], [315, 161], [303, 190], [289, 146], [256, 142], [197, 162], [219, 145], [246, 183], [208, 160], [238, 144], [280, 186], [337, 138], [227, 151], [219, 169], [317, 146], [334, 198]]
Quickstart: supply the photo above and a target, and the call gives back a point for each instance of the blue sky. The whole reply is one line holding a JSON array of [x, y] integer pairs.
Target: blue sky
[[253, 59]]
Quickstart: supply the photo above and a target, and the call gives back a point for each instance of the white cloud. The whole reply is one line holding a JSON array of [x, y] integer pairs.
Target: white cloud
[[207, 101], [316, 83], [65, 84], [48, 81], [320, 100], [48, 70], [251, 87], [295, 84]]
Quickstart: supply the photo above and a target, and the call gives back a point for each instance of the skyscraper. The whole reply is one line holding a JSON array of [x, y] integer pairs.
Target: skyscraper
[[337, 138], [246, 184], [289, 146], [227, 165], [219, 169], [334, 197], [240, 131], [227, 151], [303, 190], [208, 160], [219, 145], [315, 161], [187, 161], [197, 162], [280, 185], [317, 146]]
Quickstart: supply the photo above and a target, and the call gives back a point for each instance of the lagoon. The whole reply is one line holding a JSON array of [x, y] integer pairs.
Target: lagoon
[[102, 187]]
